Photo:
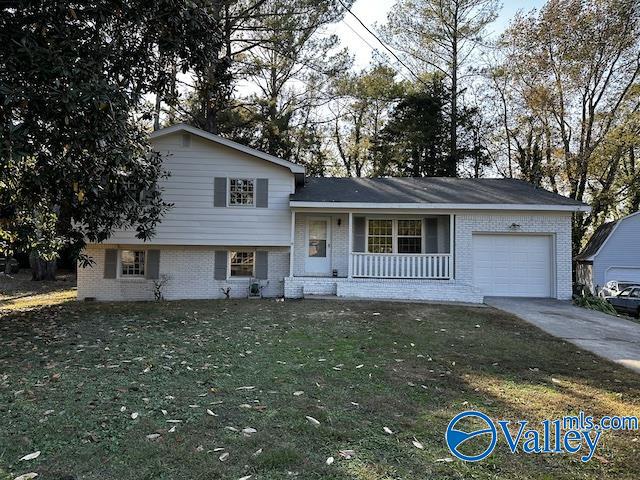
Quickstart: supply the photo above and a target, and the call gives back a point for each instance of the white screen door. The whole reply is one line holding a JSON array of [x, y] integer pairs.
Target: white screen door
[[318, 258]]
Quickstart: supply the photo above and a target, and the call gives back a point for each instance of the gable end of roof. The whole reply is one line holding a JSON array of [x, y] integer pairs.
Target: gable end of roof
[[296, 169]]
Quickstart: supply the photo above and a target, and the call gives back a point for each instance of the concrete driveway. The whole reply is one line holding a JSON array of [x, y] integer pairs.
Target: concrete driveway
[[605, 335]]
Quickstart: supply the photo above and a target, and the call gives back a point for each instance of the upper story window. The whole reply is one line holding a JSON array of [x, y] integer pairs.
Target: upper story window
[[241, 192], [132, 263]]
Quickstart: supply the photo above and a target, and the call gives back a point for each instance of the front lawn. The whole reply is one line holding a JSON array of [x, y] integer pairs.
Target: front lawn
[[164, 391]]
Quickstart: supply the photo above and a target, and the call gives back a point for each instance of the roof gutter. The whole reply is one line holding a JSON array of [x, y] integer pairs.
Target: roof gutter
[[440, 206]]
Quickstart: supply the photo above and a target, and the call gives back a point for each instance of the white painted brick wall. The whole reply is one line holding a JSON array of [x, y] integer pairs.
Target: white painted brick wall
[[339, 243], [299, 287], [556, 224], [190, 271]]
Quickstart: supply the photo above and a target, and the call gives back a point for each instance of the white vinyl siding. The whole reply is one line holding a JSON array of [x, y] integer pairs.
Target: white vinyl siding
[[620, 255], [194, 220]]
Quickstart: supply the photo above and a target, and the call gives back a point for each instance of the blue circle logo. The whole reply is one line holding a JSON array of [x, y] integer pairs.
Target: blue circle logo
[[456, 438]]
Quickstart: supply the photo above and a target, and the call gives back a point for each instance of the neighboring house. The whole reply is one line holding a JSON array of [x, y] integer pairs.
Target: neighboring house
[[240, 214], [613, 253]]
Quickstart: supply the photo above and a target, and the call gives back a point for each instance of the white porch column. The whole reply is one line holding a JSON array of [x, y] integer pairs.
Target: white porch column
[[292, 242], [452, 236], [350, 247]]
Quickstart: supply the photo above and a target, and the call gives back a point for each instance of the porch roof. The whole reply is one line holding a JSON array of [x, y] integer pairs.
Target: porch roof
[[429, 192]]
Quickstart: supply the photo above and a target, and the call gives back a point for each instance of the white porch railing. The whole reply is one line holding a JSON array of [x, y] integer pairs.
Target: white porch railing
[[401, 265]]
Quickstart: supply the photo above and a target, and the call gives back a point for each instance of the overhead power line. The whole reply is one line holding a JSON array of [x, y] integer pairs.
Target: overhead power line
[[380, 42]]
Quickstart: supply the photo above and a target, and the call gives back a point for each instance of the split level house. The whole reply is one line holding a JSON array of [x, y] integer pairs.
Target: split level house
[[242, 217]]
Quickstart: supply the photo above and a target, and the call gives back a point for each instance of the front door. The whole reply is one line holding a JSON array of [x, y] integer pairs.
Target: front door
[[318, 258]]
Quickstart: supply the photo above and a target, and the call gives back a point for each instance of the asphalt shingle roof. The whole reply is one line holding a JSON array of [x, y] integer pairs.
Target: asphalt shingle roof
[[597, 239], [428, 190]]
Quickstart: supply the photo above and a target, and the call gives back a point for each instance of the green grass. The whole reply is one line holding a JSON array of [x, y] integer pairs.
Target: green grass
[[67, 370]]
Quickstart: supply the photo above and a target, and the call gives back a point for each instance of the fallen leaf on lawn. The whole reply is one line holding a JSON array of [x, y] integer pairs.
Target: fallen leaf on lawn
[[375, 314], [248, 431], [153, 436], [123, 409], [388, 430], [200, 448], [164, 412], [233, 429], [417, 444], [245, 405], [330, 460], [312, 421], [31, 456], [359, 366], [249, 476], [245, 388], [347, 454], [224, 456], [257, 452], [174, 421], [134, 415], [298, 393], [445, 460], [49, 412], [209, 412], [172, 429], [26, 476], [218, 449]]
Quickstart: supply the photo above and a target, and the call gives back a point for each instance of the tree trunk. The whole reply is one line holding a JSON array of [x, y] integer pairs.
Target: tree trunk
[[453, 127], [42, 269]]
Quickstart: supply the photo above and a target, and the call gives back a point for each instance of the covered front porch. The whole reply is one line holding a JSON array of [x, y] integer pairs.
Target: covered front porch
[[362, 244]]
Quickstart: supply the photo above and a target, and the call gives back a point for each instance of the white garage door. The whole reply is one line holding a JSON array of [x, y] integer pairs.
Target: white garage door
[[626, 274], [513, 265]]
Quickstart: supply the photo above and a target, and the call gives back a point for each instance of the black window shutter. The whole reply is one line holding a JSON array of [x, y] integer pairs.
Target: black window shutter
[[262, 193], [153, 264], [359, 233], [220, 265], [110, 263], [220, 192], [262, 265]]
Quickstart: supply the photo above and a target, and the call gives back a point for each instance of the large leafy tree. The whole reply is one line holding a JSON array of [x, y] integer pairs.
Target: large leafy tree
[[291, 68], [362, 104], [568, 84], [413, 142], [75, 161], [442, 37]]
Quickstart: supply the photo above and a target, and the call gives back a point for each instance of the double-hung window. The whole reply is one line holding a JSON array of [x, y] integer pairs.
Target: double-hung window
[[242, 264], [380, 236], [132, 263], [409, 236], [241, 192], [394, 236]]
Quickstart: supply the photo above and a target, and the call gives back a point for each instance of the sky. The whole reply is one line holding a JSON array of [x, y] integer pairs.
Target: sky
[[375, 11]]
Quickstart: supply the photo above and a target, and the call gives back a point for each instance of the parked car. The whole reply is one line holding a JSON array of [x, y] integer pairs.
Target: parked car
[[627, 301], [14, 267], [614, 287]]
